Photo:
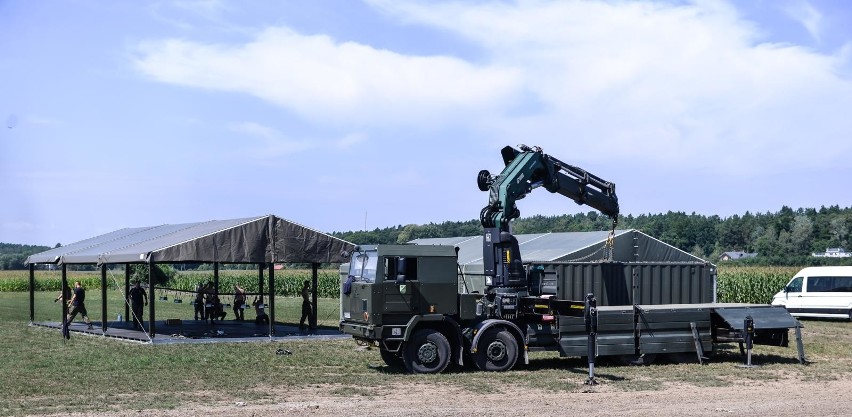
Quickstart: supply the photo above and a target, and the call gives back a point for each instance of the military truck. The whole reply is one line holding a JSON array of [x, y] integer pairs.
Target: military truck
[[406, 299]]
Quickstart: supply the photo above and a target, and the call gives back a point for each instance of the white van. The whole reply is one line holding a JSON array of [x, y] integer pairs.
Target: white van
[[819, 291]]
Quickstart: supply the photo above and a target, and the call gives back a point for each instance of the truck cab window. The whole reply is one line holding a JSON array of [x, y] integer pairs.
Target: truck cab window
[[398, 268], [363, 266]]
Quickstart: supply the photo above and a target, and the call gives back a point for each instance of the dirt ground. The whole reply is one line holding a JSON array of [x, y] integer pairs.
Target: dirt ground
[[776, 398]]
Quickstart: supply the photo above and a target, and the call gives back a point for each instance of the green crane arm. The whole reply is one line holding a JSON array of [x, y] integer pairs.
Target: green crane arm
[[530, 168], [525, 170]]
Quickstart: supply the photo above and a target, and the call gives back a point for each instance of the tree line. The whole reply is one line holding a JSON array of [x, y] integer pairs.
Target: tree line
[[13, 256], [786, 237]]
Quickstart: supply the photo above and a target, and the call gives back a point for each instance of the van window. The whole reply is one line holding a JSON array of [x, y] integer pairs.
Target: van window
[[795, 285], [829, 284]]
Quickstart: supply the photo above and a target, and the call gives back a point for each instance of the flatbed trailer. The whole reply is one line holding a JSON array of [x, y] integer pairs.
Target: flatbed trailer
[[643, 331]]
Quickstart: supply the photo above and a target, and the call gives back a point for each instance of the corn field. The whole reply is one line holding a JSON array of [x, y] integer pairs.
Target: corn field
[[288, 283], [751, 284], [735, 284]]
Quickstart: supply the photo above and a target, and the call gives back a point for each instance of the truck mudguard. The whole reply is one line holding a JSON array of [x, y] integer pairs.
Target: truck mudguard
[[456, 336], [484, 325]]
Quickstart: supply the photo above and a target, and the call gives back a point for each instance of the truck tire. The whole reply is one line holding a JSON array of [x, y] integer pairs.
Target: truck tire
[[496, 351], [391, 359], [427, 352]]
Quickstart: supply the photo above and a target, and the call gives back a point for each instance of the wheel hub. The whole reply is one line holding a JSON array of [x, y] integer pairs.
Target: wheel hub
[[496, 351], [427, 353]]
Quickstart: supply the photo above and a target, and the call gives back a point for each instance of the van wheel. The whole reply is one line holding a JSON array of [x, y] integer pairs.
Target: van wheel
[[850, 315], [497, 350], [427, 352]]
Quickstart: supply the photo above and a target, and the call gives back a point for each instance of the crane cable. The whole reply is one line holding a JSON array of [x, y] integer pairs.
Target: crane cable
[[609, 247]]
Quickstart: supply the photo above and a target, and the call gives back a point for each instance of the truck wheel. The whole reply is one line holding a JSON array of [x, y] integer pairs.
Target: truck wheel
[[427, 352], [391, 359], [497, 350]]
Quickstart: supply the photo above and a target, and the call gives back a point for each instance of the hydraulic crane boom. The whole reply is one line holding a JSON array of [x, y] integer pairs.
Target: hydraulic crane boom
[[526, 170]]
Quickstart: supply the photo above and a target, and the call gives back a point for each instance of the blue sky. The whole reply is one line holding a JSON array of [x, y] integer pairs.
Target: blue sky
[[345, 114]]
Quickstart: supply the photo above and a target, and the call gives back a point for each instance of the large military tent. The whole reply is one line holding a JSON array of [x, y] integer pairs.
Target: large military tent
[[263, 240], [628, 246], [641, 270]]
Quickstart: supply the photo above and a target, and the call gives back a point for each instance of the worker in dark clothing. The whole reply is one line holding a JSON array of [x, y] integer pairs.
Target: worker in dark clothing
[[260, 311], [200, 291], [137, 296], [78, 305], [306, 305], [239, 302]]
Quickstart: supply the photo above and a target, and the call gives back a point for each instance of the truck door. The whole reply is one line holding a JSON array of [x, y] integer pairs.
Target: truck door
[[400, 285], [357, 303]]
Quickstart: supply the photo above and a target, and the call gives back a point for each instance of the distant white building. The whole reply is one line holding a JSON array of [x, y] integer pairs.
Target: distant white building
[[833, 253]]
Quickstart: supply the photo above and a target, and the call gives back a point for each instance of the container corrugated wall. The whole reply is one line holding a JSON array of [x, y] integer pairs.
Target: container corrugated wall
[[628, 283]]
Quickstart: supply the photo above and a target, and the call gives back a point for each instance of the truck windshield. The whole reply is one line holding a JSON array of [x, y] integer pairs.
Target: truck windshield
[[363, 266]]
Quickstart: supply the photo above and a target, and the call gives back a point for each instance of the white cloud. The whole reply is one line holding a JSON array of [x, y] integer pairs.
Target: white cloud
[[269, 142], [342, 82], [664, 86], [350, 140], [809, 17], [686, 85]]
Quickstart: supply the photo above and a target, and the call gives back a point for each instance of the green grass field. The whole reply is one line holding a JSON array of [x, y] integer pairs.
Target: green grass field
[[45, 374]]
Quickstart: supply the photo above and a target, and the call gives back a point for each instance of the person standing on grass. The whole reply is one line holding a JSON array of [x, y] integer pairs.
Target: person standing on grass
[[78, 305], [199, 301], [306, 305], [137, 295], [239, 302]]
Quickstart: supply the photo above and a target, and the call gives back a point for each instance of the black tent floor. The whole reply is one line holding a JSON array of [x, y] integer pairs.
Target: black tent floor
[[199, 331]]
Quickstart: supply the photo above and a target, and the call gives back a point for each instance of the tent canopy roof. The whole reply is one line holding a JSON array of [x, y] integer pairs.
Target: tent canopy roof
[[261, 239], [629, 246]]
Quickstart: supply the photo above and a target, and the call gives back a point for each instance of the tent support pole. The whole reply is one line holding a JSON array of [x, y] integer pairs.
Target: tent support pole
[[260, 268], [152, 326], [103, 299], [216, 279], [314, 268], [65, 332], [271, 303], [32, 293], [127, 290]]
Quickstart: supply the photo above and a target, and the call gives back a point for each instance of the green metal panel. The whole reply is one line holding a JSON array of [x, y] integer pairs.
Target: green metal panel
[[467, 305], [667, 328], [615, 333], [764, 316], [628, 283]]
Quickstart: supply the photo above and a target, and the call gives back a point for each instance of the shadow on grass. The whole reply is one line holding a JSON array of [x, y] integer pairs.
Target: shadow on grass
[[734, 357]]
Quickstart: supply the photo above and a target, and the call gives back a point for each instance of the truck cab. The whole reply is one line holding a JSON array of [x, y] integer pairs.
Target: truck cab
[[391, 286]]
